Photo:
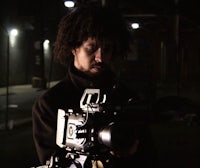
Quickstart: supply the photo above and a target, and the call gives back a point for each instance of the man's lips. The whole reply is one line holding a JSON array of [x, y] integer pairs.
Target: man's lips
[[98, 66]]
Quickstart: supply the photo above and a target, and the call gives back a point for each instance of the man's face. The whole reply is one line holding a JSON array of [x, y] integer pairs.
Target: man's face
[[89, 58]]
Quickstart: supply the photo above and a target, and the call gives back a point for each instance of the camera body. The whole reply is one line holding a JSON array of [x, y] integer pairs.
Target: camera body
[[86, 131], [92, 131]]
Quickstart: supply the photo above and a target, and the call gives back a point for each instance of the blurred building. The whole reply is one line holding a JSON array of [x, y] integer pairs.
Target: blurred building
[[165, 52]]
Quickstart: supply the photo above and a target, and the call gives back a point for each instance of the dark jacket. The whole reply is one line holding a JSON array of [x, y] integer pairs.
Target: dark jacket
[[66, 94]]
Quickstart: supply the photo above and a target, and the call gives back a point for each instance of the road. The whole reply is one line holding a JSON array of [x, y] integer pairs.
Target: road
[[16, 143], [17, 148]]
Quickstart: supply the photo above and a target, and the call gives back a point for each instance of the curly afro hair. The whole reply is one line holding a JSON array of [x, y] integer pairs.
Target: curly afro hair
[[106, 25]]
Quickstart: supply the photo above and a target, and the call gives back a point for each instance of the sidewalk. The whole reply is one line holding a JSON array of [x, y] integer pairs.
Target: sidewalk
[[22, 88], [17, 111]]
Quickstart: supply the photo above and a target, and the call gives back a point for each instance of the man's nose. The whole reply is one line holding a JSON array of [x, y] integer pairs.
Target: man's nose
[[98, 56]]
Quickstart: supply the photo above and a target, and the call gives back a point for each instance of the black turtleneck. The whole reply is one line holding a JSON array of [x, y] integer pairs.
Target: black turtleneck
[[106, 79]]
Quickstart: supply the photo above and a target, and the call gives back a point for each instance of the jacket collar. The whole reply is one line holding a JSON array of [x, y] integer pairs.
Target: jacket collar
[[82, 81]]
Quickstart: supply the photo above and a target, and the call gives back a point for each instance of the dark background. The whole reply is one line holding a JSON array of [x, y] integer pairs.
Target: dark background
[[165, 49], [163, 66]]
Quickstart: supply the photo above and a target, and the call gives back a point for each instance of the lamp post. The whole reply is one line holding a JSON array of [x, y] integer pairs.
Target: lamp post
[[7, 77], [7, 73], [10, 38]]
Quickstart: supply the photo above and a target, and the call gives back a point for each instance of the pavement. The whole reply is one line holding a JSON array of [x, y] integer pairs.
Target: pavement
[[17, 148], [18, 103], [27, 88]]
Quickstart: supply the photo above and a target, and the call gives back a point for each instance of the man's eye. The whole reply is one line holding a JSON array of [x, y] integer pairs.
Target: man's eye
[[90, 50]]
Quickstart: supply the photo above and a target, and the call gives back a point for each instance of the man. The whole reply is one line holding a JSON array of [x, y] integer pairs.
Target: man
[[90, 41]]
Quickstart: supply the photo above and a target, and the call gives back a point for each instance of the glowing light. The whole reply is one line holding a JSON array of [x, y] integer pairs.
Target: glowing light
[[135, 25], [46, 44], [13, 33], [69, 4]]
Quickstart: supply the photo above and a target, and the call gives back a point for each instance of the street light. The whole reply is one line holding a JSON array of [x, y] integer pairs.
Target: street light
[[69, 3], [135, 25], [48, 57], [46, 44], [12, 36], [10, 42]]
